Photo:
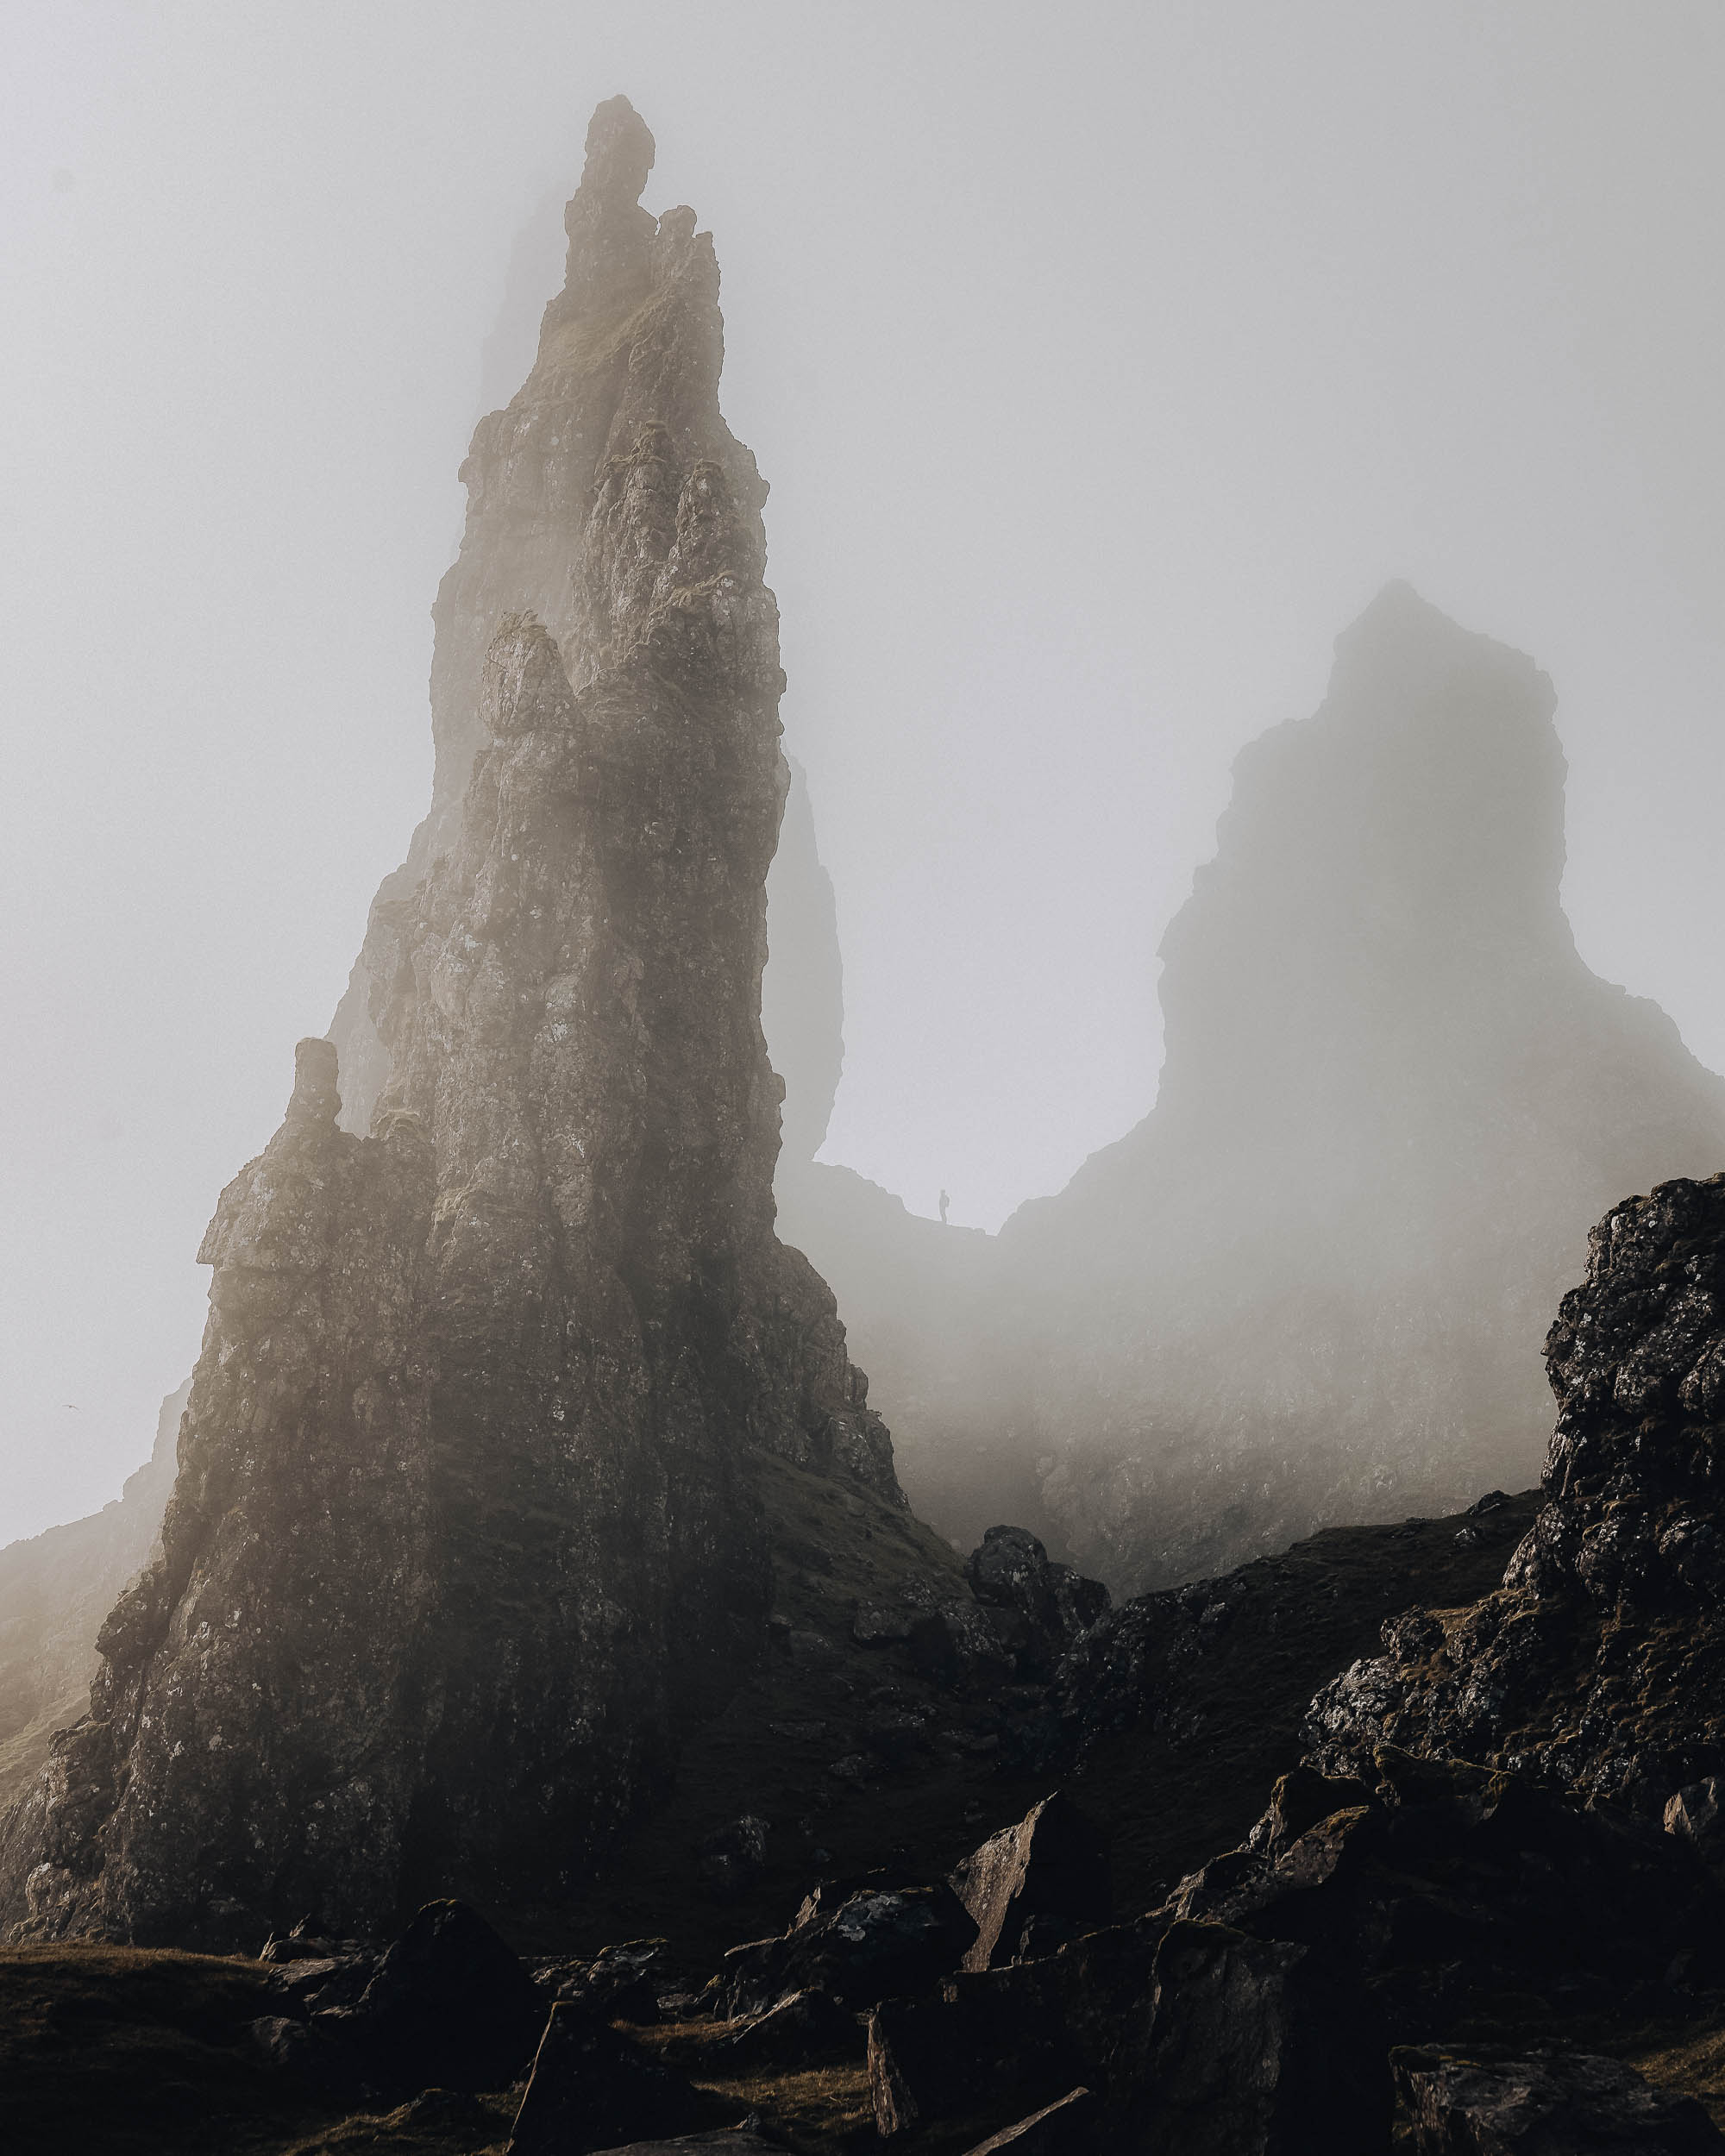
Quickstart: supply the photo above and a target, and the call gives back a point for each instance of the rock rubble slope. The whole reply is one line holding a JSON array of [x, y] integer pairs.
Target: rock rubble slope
[[467, 1530]]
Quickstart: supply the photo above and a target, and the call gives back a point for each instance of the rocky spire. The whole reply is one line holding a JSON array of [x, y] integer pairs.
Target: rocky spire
[[467, 1530], [633, 341]]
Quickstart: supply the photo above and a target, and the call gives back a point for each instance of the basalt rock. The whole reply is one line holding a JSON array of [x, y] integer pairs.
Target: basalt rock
[[468, 1530], [1032, 1884], [871, 1944], [1549, 2103], [1257, 2047], [591, 2088], [1599, 1664]]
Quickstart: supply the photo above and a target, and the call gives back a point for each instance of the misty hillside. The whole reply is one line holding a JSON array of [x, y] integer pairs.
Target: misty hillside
[[530, 1705], [1310, 1286]]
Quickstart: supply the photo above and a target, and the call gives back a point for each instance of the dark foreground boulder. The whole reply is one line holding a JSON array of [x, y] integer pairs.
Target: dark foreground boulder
[[1452, 1885], [1696, 1815], [1545, 2104], [999, 2042], [1257, 2047], [619, 1983], [593, 2089], [1035, 1884], [1043, 1608], [872, 1946], [450, 2007]]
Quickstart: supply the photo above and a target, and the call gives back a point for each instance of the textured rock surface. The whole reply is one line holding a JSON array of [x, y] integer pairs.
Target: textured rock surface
[[1599, 1664], [1257, 2047], [1307, 1288], [1548, 2104], [1035, 1884], [468, 1528], [591, 2088], [872, 1944]]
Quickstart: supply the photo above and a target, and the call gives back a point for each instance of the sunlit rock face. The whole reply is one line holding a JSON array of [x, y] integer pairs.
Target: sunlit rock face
[[465, 1534], [1311, 1286]]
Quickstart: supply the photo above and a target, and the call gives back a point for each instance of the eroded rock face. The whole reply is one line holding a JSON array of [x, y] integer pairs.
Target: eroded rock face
[[466, 1532], [1600, 1663]]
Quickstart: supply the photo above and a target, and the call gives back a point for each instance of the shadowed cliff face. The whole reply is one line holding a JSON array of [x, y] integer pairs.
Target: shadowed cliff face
[[466, 1529], [1310, 1286]]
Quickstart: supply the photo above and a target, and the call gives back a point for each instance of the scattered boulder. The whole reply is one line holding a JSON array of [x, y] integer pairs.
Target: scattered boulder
[[1065, 2127], [450, 2007], [1257, 2047], [1451, 1882], [591, 2089], [1053, 1605], [1694, 1814], [1050, 1871], [308, 1941], [453, 2114], [1545, 2103], [1018, 2035], [619, 1983], [873, 1944], [808, 2025]]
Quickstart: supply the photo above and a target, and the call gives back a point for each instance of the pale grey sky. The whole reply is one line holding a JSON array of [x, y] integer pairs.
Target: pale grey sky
[[1104, 360]]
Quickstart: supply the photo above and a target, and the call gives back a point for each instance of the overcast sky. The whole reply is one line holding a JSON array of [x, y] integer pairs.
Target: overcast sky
[[1104, 360]]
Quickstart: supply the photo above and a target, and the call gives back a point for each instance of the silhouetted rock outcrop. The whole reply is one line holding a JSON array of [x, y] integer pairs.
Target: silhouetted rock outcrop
[[1306, 1287], [468, 1528]]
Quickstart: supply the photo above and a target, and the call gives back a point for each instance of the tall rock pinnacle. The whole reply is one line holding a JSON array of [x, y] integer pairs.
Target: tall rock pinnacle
[[634, 340], [466, 1532]]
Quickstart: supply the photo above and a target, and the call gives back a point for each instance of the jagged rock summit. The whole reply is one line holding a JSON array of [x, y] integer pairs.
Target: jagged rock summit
[[468, 1529], [1306, 1287]]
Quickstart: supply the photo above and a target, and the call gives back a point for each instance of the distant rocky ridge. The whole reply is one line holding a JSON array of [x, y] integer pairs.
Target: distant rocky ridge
[[55, 1589], [472, 1520], [1305, 1289]]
